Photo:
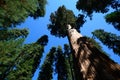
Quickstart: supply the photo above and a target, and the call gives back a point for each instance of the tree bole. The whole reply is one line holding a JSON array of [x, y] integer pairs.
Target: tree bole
[[89, 62]]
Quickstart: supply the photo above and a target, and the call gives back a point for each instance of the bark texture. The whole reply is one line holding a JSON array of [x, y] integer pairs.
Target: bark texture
[[90, 63]]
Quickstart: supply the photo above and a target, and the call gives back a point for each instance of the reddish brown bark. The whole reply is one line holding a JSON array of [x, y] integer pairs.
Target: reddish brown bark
[[89, 62]]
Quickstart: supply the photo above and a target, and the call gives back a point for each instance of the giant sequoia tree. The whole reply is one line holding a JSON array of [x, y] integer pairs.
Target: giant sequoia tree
[[89, 62]]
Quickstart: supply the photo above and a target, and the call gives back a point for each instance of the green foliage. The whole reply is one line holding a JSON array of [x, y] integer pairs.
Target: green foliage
[[59, 20], [80, 21], [18, 61], [43, 40], [47, 67], [69, 62], [67, 49], [26, 62], [114, 19], [13, 12], [103, 6], [8, 52], [40, 9], [116, 5], [63, 64], [109, 39], [90, 6], [13, 34], [63, 68]]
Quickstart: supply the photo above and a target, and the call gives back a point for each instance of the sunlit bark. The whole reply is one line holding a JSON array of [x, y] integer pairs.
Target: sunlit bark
[[89, 62]]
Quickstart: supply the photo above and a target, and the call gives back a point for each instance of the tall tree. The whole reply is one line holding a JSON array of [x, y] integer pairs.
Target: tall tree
[[61, 18], [62, 65], [11, 43], [69, 59], [26, 63], [47, 67], [14, 60], [86, 57], [62, 60]]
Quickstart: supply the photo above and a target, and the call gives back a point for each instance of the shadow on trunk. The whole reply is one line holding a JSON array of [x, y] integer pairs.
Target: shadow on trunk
[[92, 64]]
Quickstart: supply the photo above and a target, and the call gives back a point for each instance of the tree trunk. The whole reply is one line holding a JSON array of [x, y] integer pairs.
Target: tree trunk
[[89, 62]]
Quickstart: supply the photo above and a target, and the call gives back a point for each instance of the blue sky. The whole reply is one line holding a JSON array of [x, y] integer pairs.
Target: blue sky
[[38, 27]]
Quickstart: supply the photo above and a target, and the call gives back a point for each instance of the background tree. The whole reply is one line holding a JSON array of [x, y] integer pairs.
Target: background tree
[[47, 67], [15, 59], [26, 63], [90, 6], [10, 43], [13, 12], [8, 54], [70, 65], [62, 65], [15, 56], [109, 39], [57, 60]]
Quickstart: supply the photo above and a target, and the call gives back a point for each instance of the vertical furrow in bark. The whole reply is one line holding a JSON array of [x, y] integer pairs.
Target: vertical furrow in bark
[[89, 62]]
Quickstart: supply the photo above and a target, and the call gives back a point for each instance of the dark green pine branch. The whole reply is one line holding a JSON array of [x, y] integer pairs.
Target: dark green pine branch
[[109, 39]]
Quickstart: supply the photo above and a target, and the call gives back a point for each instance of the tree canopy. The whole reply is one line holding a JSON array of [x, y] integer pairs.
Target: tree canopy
[[114, 19], [59, 20], [13, 12], [90, 6]]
